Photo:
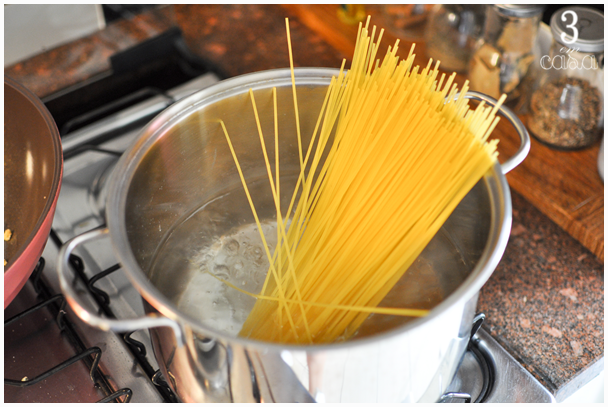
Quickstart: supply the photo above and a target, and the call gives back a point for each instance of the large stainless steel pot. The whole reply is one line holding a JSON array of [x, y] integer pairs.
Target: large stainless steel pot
[[176, 189]]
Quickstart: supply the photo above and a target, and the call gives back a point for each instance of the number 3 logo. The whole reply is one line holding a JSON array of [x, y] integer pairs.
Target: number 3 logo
[[571, 25]]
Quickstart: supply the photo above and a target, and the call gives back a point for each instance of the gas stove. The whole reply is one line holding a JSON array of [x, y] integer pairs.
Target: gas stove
[[52, 356]]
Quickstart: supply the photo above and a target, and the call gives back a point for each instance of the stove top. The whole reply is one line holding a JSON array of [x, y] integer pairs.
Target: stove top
[[52, 356]]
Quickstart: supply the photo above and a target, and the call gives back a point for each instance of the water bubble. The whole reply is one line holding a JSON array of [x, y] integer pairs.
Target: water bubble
[[221, 271], [232, 247], [254, 253]]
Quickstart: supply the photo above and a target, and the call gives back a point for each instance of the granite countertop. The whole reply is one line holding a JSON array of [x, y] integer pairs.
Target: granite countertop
[[545, 301]]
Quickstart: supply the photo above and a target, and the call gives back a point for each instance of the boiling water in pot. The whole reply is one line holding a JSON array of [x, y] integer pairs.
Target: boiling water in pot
[[220, 238]]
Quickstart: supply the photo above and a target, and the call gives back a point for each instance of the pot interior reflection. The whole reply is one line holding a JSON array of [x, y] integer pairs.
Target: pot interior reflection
[[188, 217], [223, 241]]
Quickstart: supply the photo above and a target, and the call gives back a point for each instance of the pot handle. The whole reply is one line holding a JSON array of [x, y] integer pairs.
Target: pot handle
[[524, 147], [91, 318]]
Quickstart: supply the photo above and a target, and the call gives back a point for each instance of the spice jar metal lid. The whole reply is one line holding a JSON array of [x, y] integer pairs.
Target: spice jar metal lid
[[520, 10], [588, 28]]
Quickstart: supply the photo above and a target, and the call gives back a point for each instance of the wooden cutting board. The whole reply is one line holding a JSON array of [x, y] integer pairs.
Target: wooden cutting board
[[564, 185]]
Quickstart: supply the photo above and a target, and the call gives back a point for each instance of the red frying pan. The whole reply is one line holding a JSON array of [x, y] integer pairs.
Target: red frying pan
[[33, 167]]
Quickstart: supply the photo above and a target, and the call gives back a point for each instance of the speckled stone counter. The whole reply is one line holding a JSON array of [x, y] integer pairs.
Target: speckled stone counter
[[236, 39], [88, 57], [545, 301]]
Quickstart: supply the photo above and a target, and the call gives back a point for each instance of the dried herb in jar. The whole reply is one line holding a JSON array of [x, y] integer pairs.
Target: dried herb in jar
[[566, 113]]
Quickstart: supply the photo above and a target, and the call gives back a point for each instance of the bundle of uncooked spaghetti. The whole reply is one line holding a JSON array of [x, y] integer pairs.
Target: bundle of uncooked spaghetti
[[401, 150]]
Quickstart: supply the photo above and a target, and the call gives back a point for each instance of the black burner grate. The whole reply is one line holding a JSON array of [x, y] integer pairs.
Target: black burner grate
[[102, 299], [63, 332]]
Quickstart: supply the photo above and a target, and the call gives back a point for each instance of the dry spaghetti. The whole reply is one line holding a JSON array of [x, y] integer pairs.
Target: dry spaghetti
[[401, 151]]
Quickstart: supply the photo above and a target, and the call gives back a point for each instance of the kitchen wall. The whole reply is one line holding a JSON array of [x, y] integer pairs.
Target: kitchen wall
[[32, 28]]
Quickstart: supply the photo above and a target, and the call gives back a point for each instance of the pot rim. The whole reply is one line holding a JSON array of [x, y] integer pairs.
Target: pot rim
[[497, 186]]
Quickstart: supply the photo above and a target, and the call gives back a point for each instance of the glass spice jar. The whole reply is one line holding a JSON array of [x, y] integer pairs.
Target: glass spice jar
[[452, 32], [408, 21], [566, 108], [503, 61]]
